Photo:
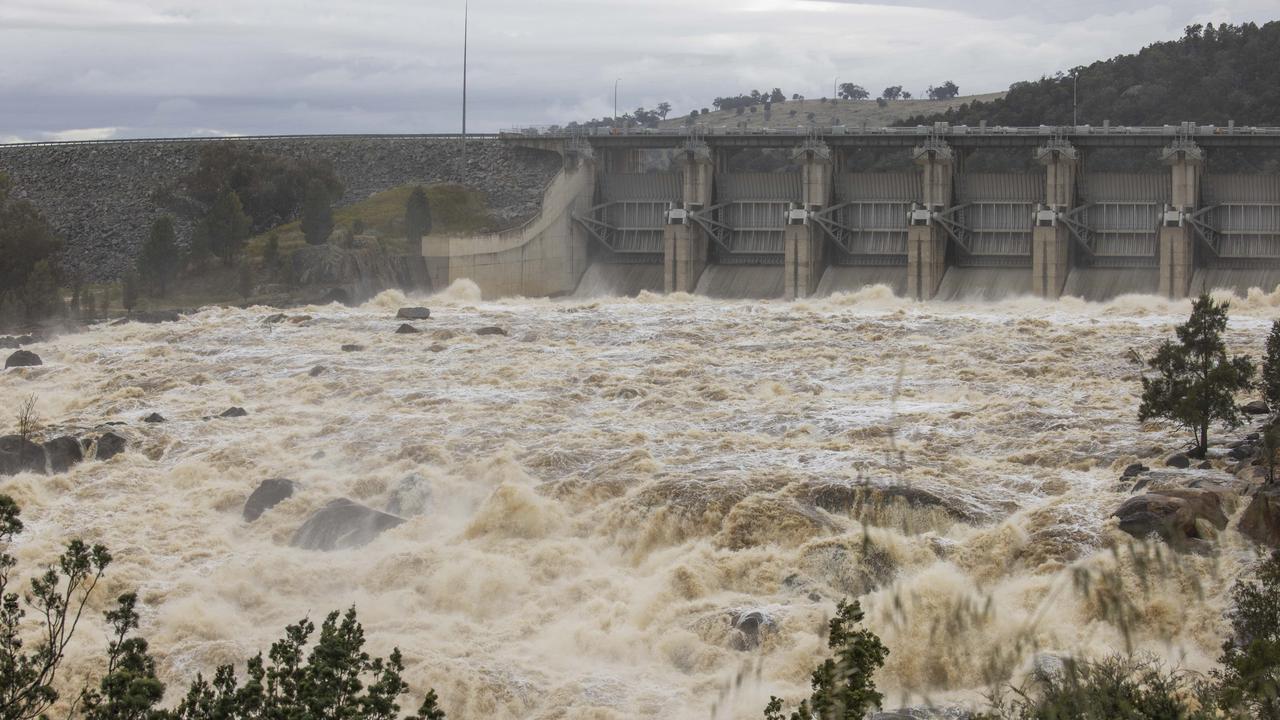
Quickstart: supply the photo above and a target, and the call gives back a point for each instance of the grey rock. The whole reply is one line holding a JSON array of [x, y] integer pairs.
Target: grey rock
[[1178, 460], [491, 330], [154, 417], [1240, 453], [63, 452], [317, 371], [1134, 470], [1174, 515], [8, 342], [341, 525], [407, 329], [23, 358], [110, 445], [234, 412], [18, 454], [1261, 519], [413, 313], [268, 494], [352, 347], [1256, 407]]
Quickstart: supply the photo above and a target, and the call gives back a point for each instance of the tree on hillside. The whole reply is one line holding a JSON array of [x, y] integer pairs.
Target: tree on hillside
[[317, 214], [271, 255], [129, 290], [843, 687], [893, 92], [1193, 382], [906, 95], [25, 238], [417, 215], [945, 91], [664, 108], [850, 91], [1271, 368], [159, 259], [244, 280], [40, 297], [777, 96], [227, 227]]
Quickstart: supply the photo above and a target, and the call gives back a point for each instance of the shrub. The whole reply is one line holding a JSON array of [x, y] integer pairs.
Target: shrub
[[843, 688]]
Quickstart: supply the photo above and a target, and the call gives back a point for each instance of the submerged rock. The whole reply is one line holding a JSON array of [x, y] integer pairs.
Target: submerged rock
[[1178, 460], [317, 370], [413, 313], [8, 342], [23, 358], [342, 524], [352, 347], [234, 412], [63, 452], [491, 330], [407, 329], [1261, 520], [268, 494], [154, 417], [18, 454], [109, 446]]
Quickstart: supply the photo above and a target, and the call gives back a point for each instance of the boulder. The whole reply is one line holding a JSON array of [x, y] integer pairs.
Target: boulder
[[342, 524], [1178, 460], [8, 342], [317, 370], [352, 347], [63, 452], [23, 358], [1172, 514], [269, 493], [407, 329], [1256, 407], [109, 446], [234, 412], [1261, 520], [272, 319], [413, 313], [26, 339], [154, 417], [18, 454], [156, 316], [1134, 470], [491, 330], [1241, 452]]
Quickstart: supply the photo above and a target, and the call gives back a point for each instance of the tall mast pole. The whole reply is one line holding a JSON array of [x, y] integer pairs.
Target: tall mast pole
[[466, 19]]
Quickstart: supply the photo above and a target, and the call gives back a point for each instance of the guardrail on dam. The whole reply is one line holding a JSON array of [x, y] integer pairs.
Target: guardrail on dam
[[941, 225]]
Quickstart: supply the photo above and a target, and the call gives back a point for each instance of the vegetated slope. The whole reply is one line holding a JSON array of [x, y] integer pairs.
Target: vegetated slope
[[1211, 75], [852, 113]]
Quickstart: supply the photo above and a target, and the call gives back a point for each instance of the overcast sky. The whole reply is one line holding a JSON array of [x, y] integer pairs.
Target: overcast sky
[[74, 69]]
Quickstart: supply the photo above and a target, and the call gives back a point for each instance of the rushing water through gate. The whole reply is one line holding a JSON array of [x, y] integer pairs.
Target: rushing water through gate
[[636, 508]]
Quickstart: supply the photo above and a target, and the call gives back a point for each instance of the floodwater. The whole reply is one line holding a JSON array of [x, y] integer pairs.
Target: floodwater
[[637, 507]]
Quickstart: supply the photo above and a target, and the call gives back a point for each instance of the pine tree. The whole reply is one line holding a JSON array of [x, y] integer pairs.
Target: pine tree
[[227, 227], [1195, 382], [317, 214], [843, 688], [417, 215], [40, 294], [271, 255], [158, 262], [1271, 368]]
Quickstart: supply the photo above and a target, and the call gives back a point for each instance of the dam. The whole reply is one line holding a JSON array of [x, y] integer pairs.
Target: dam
[[933, 212]]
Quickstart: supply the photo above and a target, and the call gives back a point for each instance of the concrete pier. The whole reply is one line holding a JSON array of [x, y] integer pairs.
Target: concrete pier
[[684, 243], [1176, 241], [803, 258], [1050, 240], [926, 237]]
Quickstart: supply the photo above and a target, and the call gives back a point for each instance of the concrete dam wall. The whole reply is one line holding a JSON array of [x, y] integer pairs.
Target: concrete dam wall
[[100, 196]]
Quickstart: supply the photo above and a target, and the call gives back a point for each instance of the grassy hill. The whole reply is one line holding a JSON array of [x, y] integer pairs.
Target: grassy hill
[[853, 113]]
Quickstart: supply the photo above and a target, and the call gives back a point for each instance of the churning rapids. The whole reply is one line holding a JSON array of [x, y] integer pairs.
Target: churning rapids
[[637, 508]]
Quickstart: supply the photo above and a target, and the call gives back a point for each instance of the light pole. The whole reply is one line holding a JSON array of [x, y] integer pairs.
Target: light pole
[[1075, 87], [466, 19], [615, 102]]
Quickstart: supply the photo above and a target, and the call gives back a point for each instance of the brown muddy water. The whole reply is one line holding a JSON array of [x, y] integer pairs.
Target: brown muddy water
[[637, 508]]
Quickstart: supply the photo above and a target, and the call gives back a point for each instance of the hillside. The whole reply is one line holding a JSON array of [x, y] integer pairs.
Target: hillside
[[1211, 75], [853, 113]]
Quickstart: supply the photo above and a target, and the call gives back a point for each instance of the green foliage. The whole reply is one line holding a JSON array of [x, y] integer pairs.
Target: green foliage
[[158, 261], [40, 297], [25, 238], [271, 254], [1194, 381], [226, 227], [129, 290], [843, 688], [1211, 74], [1250, 676], [945, 91], [271, 187], [129, 689], [198, 249], [850, 91], [244, 280], [417, 215], [1271, 368], [57, 599], [317, 214], [338, 680], [1117, 688]]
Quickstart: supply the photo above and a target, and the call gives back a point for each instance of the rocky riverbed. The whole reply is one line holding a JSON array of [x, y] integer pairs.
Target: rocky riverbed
[[645, 508]]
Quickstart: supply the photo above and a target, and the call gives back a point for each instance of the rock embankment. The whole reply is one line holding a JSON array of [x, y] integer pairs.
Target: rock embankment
[[101, 197]]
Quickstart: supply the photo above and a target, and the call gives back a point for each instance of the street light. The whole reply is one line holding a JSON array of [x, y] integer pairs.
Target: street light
[[466, 19], [615, 101]]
